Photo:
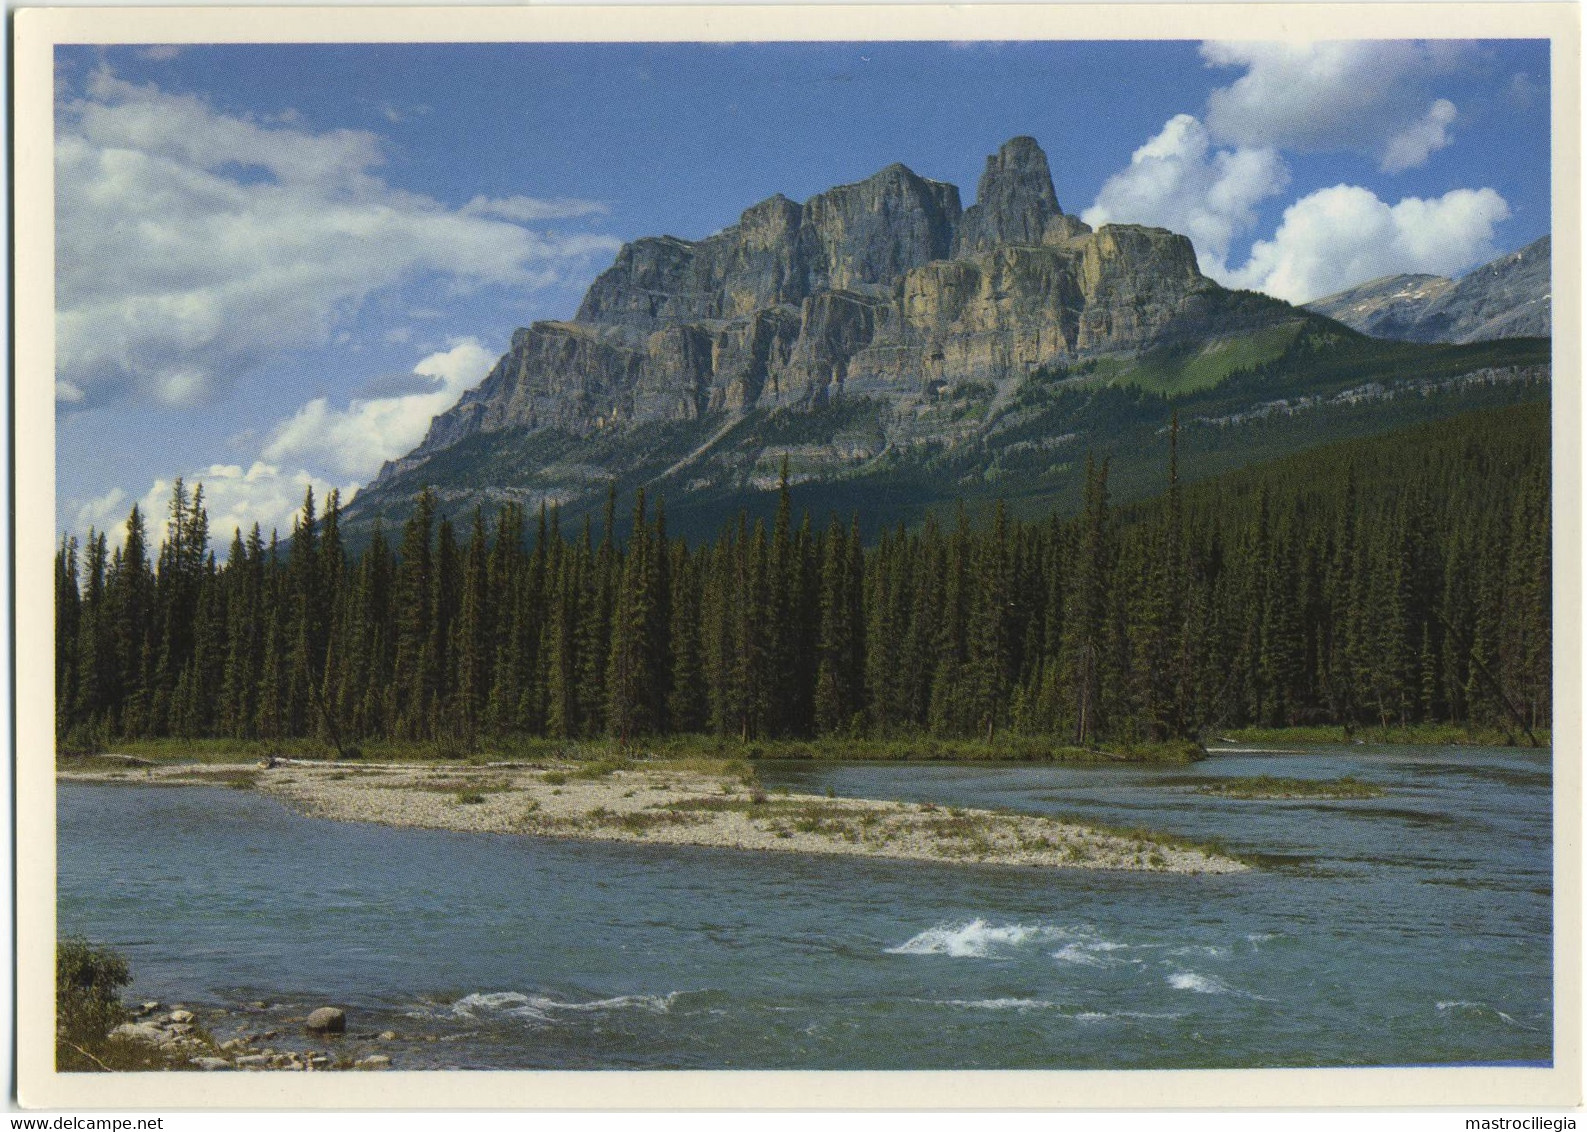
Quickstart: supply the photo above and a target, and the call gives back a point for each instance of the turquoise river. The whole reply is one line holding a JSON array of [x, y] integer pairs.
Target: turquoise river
[[1412, 929]]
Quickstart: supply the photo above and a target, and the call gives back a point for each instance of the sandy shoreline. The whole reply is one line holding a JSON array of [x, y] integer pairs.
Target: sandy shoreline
[[677, 805]]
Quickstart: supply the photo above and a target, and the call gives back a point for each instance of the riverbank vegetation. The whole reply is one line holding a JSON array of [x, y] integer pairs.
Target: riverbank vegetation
[[88, 981], [1393, 583], [130, 754], [88, 1010], [1265, 786], [95, 1032], [1410, 735]]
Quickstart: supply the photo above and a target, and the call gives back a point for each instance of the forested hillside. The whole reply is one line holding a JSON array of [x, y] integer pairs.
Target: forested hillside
[[1028, 451], [1401, 579]]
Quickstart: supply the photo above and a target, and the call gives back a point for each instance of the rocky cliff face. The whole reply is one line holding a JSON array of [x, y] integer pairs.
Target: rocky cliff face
[[1014, 204], [886, 288], [1508, 298]]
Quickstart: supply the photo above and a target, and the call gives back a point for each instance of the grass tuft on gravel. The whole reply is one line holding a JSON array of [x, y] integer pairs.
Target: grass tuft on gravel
[[1266, 786]]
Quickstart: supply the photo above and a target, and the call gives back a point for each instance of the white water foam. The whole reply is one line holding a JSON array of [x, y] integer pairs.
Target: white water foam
[[1023, 1005], [539, 1008], [1480, 1007], [501, 1002], [1201, 984], [976, 939], [1085, 953], [655, 1003], [1209, 952]]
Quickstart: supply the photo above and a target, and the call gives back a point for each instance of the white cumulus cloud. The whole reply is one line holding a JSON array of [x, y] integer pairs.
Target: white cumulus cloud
[[1180, 181], [104, 513], [1338, 237], [527, 209], [192, 244], [1367, 96], [235, 498], [319, 447], [354, 442], [1411, 147]]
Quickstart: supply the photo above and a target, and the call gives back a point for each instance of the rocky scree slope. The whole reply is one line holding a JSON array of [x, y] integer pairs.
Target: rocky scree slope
[[886, 290]]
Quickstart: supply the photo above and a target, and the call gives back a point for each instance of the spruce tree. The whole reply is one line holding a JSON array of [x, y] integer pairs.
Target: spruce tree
[[472, 651], [412, 690], [686, 693], [68, 617], [632, 692], [95, 652]]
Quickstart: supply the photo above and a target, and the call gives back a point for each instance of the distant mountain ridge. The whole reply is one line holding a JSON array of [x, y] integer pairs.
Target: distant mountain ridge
[[1507, 298]]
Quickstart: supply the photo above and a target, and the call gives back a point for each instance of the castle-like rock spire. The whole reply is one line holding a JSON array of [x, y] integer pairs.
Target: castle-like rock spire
[[881, 289], [1014, 201]]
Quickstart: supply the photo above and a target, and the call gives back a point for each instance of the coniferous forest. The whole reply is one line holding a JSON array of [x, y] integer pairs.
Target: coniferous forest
[[1371, 583]]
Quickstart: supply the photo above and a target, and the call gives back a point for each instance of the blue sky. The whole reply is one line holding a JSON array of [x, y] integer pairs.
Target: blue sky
[[275, 263]]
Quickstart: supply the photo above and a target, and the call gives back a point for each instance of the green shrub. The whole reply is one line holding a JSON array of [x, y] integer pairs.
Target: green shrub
[[456, 745], [86, 739], [600, 768], [88, 980]]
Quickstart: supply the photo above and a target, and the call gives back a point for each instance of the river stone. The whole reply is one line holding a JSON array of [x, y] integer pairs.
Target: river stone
[[146, 1008], [374, 1061], [139, 1032], [327, 1020], [181, 1016], [388, 1035], [253, 1060], [210, 1064]]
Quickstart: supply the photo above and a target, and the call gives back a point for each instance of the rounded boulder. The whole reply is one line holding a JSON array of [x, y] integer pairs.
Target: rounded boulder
[[327, 1020]]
